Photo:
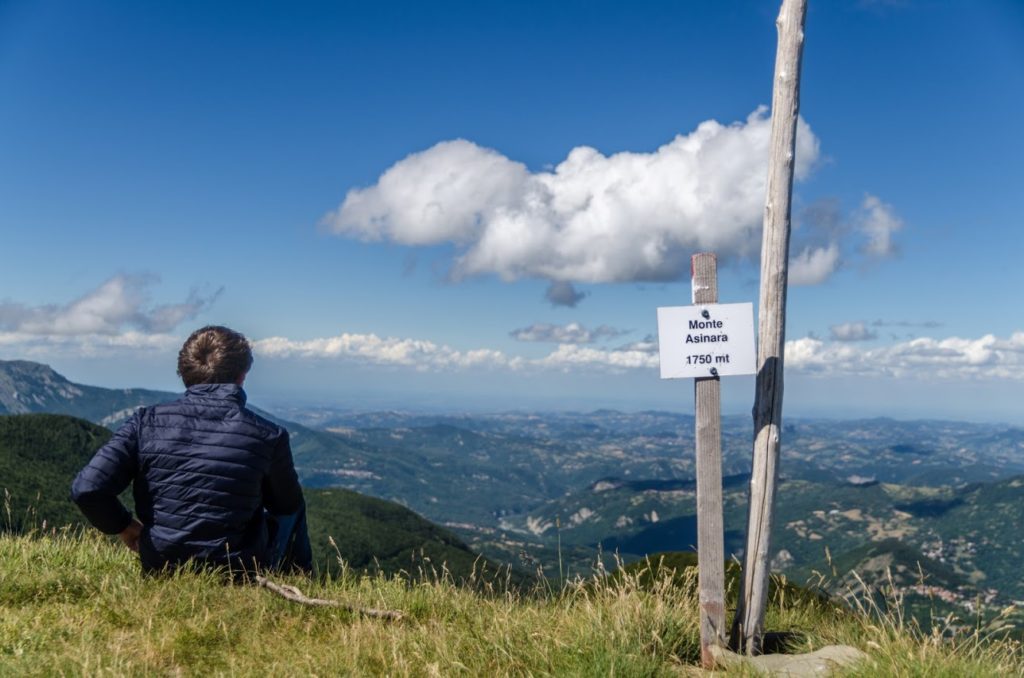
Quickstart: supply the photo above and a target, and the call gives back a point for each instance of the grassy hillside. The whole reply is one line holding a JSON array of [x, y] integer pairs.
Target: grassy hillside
[[41, 453], [74, 604], [374, 535]]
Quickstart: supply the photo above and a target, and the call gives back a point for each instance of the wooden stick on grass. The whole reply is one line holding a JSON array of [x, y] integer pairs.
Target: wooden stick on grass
[[296, 596]]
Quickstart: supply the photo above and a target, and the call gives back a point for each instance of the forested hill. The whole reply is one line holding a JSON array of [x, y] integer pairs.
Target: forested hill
[[41, 453], [39, 457]]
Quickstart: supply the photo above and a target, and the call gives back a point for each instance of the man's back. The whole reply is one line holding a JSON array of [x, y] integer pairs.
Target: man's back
[[204, 467]]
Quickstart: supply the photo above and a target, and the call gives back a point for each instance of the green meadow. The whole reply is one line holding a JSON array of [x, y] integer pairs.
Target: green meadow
[[74, 603]]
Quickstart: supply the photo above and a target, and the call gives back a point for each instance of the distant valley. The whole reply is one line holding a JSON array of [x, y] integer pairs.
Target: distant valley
[[938, 503]]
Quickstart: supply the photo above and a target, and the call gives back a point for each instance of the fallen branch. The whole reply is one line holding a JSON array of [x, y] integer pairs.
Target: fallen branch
[[296, 596]]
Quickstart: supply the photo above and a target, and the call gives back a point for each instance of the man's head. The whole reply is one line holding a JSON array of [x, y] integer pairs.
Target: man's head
[[214, 355]]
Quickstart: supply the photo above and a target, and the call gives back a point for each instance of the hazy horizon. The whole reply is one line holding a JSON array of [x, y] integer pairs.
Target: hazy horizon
[[677, 399]]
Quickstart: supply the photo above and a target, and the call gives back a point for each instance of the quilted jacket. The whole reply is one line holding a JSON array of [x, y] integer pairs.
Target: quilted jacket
[[202, 468]]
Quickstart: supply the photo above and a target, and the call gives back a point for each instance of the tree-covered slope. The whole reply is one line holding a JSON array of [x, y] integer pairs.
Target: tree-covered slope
[[39, 457], [373, 534]]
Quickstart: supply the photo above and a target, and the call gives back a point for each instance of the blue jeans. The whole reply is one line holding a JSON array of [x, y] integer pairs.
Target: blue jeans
[[288, 545]]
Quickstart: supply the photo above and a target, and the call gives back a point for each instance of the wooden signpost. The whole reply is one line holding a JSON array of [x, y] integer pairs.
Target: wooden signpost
[[705, 342], [680, 360], [749, 621], [710, 528]]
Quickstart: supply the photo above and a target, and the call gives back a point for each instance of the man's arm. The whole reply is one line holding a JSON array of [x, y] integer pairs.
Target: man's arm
[[111, 469], [282, 493]]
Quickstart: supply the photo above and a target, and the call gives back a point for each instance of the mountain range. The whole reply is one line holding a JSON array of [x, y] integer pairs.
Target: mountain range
[[27, 387], [933, 506]]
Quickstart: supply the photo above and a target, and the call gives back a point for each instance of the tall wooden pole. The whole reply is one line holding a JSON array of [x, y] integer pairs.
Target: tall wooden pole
[[710, 530], [748, 624]]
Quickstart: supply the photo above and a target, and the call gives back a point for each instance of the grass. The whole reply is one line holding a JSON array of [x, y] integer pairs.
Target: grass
[[73, 603]]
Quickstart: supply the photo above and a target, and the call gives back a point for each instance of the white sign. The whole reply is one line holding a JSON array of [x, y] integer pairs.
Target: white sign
[[706, 340]]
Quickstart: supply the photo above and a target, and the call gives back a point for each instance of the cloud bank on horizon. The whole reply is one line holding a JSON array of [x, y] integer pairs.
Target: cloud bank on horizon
[[115, 320], [591, 219], [923, 358]]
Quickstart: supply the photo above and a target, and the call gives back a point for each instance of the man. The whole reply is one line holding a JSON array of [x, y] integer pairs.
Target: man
[[214, 483]]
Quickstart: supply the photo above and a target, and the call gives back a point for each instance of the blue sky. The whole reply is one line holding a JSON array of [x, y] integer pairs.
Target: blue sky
[[386, 198]]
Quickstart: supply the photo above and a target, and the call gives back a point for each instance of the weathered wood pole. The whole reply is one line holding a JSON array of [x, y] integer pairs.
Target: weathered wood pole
[[710, 530], [748, 624]]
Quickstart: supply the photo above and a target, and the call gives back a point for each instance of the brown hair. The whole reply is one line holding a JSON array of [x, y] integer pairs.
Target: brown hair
[[214, 355]]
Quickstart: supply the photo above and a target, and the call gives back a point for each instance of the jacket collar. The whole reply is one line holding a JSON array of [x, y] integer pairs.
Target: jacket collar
[[232, 392]]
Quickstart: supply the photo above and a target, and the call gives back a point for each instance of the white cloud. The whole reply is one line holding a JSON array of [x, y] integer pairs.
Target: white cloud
[[570, 355], [594, 218], [852, 332], [111, 309], [166, 317], [42, 347], [429, 356], [109, 320], [878, 221], [953, 357], [571, 333], [922, 358], [813, 266], [369, 348]]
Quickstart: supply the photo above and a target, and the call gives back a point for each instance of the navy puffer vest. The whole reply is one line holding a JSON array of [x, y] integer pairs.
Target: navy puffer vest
[[203, 469]]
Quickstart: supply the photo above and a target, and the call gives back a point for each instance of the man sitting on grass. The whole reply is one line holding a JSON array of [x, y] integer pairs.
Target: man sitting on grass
[[214, 483]]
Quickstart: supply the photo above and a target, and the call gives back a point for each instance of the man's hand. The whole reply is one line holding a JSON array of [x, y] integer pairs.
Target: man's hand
[[130, 535]]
